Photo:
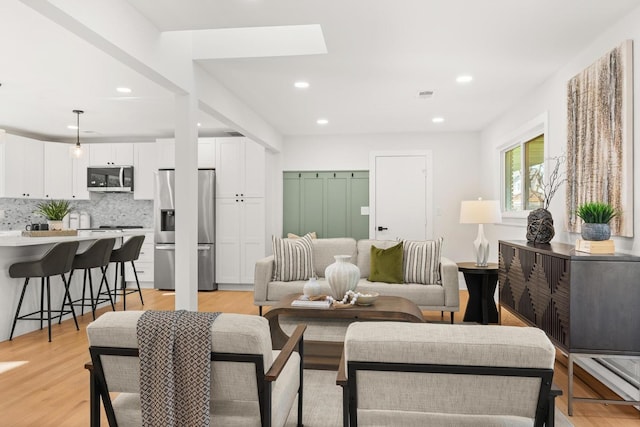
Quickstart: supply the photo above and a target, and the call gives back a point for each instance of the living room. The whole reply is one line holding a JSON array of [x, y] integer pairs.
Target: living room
[[466, 156]]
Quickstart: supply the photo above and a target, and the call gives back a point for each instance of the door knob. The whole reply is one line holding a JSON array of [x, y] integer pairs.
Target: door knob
[[382, 228]]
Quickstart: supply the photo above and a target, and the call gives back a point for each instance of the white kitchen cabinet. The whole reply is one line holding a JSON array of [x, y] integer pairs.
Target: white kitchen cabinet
[[144, 265], [206, 153], [79, 182], [166, 154], [144, 167], [240, 168], [58, 171], [22, 167], [117, 154], [240, 238]]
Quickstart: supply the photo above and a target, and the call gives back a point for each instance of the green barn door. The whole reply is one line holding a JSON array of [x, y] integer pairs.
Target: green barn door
[[313, 203], [328, 203], [359, 197], [337, 224]]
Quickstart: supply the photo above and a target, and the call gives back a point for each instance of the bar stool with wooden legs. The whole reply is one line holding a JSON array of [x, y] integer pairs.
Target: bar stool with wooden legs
[[58, 260], [97, 255], [128, 252]]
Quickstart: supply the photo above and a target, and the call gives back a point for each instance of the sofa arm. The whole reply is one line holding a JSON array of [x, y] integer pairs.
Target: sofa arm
[[449, 277], [262, 277]]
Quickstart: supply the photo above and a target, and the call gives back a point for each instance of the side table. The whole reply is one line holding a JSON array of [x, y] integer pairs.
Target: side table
[[481, 283]]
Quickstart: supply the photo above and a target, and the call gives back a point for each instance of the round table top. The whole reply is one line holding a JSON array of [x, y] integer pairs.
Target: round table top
[[471, 267]]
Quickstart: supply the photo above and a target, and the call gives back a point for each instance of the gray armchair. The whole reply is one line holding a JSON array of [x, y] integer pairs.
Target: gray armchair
[[251, 384]]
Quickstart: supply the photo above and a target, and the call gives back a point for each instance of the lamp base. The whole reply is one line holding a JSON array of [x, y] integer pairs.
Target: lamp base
[[481, 246]]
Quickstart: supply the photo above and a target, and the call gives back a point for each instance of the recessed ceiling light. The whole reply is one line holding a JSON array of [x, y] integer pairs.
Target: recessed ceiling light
[[437, 120], [74, 127], [464, 78], [123, 90], [322, 121], [199, 124], [301, 85]]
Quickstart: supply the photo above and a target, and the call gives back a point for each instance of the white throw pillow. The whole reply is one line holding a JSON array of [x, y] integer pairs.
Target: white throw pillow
[[422, 261], [293, 259]]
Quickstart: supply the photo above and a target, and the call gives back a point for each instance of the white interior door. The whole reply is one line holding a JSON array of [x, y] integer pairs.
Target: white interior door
[[400, 196]]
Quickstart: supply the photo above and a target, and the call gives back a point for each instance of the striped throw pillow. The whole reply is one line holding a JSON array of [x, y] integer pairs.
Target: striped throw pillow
[[293, 259], [422, 261]]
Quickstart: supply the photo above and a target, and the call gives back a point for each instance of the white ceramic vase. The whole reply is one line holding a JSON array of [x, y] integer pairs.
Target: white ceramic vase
[[342, 276], [311, 288]]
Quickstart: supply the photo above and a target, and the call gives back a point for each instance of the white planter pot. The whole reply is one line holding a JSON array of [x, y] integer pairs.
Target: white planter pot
[[342, 276], [55, 225]]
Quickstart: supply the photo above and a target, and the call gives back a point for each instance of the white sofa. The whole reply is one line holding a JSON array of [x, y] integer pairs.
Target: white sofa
[[412, 374], [444, 296]]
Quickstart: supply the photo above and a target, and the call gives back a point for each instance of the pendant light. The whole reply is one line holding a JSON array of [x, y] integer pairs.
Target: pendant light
[[77, 150]]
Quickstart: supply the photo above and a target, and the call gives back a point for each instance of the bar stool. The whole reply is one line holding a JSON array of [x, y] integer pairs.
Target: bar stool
[[97, 255], [128, 252], [58, 260]]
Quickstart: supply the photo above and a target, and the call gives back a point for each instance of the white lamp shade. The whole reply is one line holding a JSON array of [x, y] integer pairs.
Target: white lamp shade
[[480, 212]]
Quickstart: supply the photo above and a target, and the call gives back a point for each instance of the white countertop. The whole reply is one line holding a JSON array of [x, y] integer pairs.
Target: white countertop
[[14, 238]]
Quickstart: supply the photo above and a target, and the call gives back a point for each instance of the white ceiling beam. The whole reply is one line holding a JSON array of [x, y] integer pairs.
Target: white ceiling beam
[[119, 30], [257, 42]]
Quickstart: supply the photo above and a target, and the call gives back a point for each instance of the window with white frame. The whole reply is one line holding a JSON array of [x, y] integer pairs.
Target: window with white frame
[[523, 174]]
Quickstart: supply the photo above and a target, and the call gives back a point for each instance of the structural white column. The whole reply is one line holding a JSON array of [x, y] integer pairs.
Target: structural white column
[[186, 198]]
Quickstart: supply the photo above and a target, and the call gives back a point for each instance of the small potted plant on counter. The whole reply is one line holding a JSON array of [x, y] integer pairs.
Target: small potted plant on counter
[[596, 217], [54, 211]]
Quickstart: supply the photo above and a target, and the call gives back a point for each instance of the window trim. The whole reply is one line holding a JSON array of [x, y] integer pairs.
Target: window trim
[[534, 127]]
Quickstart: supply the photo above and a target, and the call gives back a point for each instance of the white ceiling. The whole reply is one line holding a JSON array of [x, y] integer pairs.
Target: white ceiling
[[380, 54]]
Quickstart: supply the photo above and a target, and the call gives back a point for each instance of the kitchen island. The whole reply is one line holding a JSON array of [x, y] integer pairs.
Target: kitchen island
[[16, 248]]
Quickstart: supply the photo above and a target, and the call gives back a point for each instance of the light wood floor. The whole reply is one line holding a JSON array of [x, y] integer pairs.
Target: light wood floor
[[52, 388]]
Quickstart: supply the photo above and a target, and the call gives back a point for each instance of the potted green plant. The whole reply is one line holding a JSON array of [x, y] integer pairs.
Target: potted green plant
[[54, 211], [596, 217]]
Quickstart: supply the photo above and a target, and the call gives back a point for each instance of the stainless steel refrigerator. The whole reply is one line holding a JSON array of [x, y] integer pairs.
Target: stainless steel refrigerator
[[165, 215]]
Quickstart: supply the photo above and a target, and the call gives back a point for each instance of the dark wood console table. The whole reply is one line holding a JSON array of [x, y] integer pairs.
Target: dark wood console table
[[586, 303]]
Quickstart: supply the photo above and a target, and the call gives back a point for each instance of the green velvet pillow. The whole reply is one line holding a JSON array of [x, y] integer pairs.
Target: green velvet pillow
[[386, 264]]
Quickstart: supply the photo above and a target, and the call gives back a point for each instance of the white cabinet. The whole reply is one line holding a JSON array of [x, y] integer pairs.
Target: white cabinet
[[240, 168], [144, 166], [166, 155], [21, 168], [79, 170], [240, 238], [206, 153], [120, 154], [58, 171], [240, 209], [144, 264]]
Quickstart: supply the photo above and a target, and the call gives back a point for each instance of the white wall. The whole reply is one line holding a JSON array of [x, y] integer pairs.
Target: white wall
[[456, 172], [551, 97]]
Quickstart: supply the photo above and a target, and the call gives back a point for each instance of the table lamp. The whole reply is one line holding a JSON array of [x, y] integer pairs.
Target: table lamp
[[480, 212]]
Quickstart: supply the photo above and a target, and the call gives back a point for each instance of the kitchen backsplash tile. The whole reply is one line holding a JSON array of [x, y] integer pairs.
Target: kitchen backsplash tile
[[104, 209]]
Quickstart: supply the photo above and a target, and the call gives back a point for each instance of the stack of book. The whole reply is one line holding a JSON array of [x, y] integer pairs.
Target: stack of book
[[596, 247], [311, 304]]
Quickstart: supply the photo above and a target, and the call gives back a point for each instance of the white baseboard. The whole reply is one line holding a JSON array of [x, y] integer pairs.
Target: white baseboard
[[235, 286]]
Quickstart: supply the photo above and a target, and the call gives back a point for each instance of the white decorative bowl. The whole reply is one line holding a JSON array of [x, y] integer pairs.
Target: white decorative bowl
[[367, 299]]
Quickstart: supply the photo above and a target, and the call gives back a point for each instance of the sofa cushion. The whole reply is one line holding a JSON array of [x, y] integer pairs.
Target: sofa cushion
[[324, 251], [293, 258], [364, 253], [422, 261], [386, 264]]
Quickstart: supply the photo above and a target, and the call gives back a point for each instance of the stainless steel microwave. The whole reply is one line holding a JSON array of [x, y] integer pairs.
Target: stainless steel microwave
[[110, 178]]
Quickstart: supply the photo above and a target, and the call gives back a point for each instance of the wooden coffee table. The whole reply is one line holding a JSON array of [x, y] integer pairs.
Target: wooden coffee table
[[326, 354]]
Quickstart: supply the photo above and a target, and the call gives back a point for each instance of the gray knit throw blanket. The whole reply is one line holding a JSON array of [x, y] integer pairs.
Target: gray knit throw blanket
[[175, 370]]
